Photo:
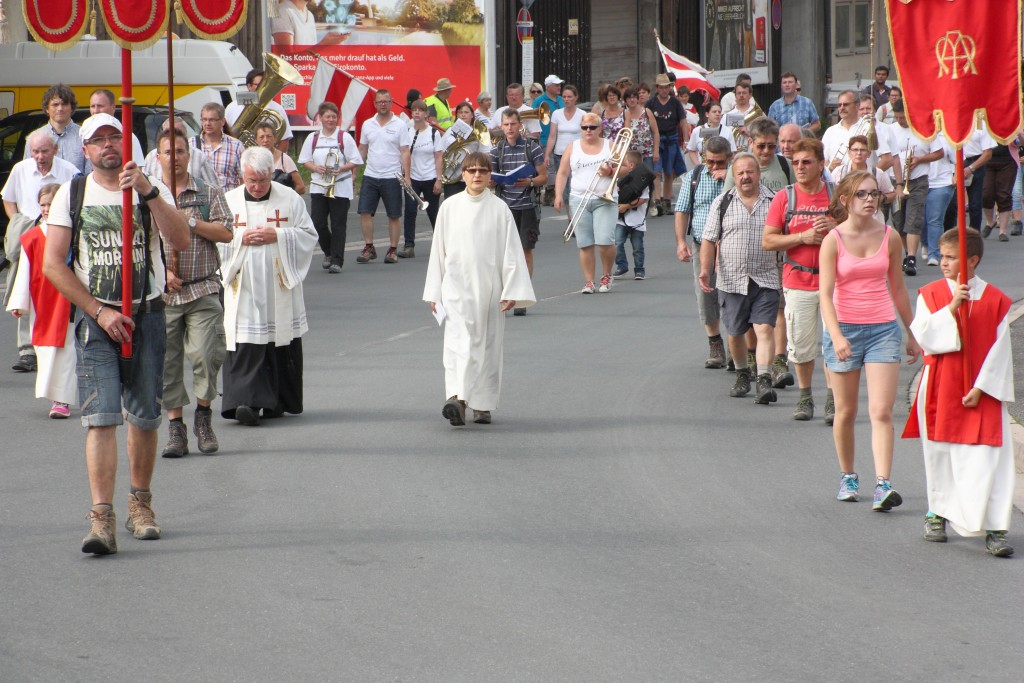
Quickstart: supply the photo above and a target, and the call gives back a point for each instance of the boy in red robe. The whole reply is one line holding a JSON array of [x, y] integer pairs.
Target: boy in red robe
[[968, 451]]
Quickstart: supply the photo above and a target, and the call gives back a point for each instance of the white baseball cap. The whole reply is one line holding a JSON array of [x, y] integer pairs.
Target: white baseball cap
[[97, 121], [553, 79]]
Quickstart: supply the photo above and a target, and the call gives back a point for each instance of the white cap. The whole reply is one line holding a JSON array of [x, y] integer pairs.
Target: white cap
[[97, 121], [553, 79]]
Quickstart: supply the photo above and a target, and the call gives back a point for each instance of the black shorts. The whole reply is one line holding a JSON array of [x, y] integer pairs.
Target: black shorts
[[528, 224], [759, 306]]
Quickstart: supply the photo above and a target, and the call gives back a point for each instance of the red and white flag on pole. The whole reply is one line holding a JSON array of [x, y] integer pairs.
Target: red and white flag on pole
[[689, 73], [353, 97]]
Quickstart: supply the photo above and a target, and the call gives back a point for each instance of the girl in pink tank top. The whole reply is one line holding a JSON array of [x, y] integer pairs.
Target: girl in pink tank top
[[861, 289]]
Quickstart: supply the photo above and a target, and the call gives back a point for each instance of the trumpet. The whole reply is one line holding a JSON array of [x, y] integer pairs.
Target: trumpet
[[904, 162], [420, 203], [332, 169], [618, 150], [541, 113]]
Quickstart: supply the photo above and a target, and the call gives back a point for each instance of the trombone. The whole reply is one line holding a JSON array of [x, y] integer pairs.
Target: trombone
[[618, 150]]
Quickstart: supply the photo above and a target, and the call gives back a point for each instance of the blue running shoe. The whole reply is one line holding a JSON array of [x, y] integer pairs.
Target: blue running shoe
[[848, 485], [885, 497]]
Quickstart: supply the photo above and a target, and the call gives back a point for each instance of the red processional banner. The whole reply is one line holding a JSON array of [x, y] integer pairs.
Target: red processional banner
[[955, 58], [214, 19], [135, 24], [57, 24]]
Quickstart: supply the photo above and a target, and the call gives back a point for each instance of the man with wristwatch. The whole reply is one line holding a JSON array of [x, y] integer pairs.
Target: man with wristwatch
[[194, 313], [87, 212]]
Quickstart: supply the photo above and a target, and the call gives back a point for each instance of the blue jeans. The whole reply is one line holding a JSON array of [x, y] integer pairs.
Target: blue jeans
[[935, 213], [636, 238]]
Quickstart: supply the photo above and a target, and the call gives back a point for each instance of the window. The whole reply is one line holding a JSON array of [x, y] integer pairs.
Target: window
[[852, 33]]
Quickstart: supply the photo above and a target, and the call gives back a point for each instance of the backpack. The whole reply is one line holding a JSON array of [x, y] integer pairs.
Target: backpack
[[633, 184], [694, 182], [790, 212]]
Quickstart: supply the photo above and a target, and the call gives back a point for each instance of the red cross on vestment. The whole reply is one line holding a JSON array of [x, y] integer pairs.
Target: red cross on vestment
[[277, 219], [239, 223]]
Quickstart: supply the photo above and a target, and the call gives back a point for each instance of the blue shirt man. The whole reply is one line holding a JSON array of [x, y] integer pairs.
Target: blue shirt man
[[551, 97], [792, 107]]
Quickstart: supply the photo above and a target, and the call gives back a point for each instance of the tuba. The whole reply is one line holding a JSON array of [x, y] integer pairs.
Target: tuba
[[277, 74], [451, 160], [741, 139]]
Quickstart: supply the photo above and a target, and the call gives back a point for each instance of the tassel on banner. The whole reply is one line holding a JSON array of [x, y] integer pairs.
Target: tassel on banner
[[92, 22], [272, 9], [5, 28], [177, 12]]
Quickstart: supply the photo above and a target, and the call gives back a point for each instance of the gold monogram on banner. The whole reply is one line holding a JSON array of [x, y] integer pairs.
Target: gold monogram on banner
[[955, 54]]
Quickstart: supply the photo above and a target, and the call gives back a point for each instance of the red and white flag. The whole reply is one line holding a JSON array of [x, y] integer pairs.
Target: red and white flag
[[353, 96], [689, 73]]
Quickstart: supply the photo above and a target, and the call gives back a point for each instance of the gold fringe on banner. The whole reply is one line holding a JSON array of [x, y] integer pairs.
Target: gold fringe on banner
[[273, 12]]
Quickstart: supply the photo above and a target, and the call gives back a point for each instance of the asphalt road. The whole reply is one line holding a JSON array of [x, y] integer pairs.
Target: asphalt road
[[622, 519]]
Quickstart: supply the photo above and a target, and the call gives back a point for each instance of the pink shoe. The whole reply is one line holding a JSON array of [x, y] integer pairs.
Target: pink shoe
[[59, 411]]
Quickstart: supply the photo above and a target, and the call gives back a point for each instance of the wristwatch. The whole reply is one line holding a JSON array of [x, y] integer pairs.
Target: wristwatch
[[192, 224], [151, 195]]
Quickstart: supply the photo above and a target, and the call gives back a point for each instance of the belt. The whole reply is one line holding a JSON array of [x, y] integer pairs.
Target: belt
[[149, 306], [798, 266]]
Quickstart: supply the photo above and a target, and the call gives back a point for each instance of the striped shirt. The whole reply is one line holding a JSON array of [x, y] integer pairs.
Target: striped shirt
[[198, 264], [707, 189], [512, 157], [741, 257]]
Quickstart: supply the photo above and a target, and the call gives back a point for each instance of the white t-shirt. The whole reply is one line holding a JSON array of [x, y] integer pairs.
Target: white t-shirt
[[234, 110], [566, 130], [22, 186], [300, 24], [99, 241], [532, 125], [979, 141], [585, 166], [903, 137], [348, 153], [940, 171], [695, 142], [384, 146], [422, 147]]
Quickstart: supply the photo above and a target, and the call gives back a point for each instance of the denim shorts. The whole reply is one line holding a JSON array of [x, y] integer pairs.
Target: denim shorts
[[670, 157], [596, 224], [869, 343], [373, 190], [100, 392]]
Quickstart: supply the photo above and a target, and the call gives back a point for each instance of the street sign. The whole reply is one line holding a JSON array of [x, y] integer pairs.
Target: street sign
[[524, 25]]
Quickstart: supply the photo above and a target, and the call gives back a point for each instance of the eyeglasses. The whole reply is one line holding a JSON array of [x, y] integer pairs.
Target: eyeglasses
[[864, 194], [717, 163], [476, 171], [845, 104], [589, 127], [535, 92], [104, 139], [766, 145], [382, 102], [802, 162], [210, 120], [859, 150]]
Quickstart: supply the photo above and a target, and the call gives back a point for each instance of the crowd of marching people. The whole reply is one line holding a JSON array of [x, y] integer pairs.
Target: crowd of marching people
[[801, 251]]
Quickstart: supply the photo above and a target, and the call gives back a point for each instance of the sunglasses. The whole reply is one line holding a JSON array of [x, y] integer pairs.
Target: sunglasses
[[476, 171], [589, 127], [864, 194], [535, 92], [766, 145], [802, 162]]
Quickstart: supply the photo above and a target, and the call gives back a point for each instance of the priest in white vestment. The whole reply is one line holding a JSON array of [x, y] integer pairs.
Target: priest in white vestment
[[477, 272], [264, 313]]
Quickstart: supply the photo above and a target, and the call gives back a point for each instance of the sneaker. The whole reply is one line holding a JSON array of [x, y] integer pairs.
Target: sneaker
[[203, 429], [141, 520], [885, 497], [742, 385], [392, 255], [996, 544], [454, 411], [1003, 237], [654, 210], [177, 440], [1016, 228], [368, 254], [25, 363], [59, 411], [619, 272], [639, 275], [606, 284], [933, 262], [716, 355], [848, 485], [588, 287], [335, 268], [781, 376], [518, 312], [830, 410], [924, 251], [986, 231], [482, 417], [804, 409], [935, 529], [326, 263], [910, 266], [765, 394], [247, 415], [408, 251], [102, 537]]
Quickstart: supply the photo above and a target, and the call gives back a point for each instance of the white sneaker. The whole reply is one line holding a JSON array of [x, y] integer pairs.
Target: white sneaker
[[933, 262], [606, 284], [924, 252], [588, 288]]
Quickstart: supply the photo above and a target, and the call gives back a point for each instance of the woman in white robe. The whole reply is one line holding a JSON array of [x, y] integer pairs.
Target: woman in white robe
[[477, 272]]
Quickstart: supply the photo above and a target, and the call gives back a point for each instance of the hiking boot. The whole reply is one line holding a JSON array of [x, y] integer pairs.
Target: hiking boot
[[910, 265], [141, 520], [742, 386], [730, 365], [996, 544], [482, 417], [177, 440], [454, 411], [1016, 228], [830, 409], [935, 529], [765, 393], [752, 360], [1003, 237], [781, 376], [606, 284], [804, 409], [408, 251], [368, 254], [716, 355], [392, 255], [102, 536], [203, 429], [885, 497], [848, 485]]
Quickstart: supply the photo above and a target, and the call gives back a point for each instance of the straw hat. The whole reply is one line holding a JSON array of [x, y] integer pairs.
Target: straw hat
[[443, 84]]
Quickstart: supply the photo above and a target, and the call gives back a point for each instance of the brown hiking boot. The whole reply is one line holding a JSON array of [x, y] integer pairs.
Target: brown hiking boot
[[102, 537], [716, 357], [203, 429], [141, 520], [392, 255], [368, 254], [177, 440]]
